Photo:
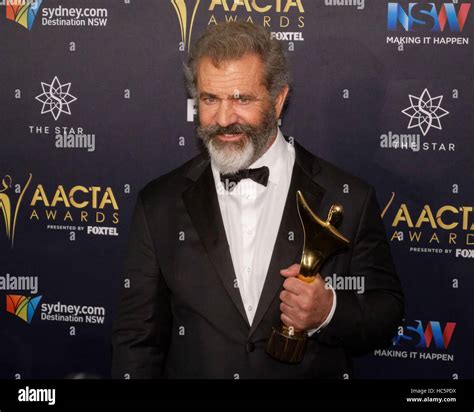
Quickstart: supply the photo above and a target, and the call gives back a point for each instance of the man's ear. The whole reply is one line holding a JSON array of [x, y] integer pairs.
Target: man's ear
[[280, 100]]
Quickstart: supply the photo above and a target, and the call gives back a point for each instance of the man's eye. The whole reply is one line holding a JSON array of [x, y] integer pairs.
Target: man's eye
[[244, 100], [209, 100]]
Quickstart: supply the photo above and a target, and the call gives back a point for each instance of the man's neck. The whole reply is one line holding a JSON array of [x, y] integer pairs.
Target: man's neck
[[269, 144]]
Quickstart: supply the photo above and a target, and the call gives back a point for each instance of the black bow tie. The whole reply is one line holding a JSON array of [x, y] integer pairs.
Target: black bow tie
[[259, 175]]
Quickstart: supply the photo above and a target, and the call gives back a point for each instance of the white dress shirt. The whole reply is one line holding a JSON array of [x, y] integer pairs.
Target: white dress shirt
[[252, 214]]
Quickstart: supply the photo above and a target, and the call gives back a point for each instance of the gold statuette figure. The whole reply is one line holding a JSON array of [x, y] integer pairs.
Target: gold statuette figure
[[321, 240]]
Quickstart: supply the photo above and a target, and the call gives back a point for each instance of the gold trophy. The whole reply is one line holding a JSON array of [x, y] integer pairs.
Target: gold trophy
[[321, 239]]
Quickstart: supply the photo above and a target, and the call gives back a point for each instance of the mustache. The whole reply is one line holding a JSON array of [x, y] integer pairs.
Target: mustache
[[235, 128]]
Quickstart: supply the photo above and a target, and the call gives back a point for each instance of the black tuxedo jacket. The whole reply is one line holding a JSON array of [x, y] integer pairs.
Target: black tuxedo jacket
[[182, 317]]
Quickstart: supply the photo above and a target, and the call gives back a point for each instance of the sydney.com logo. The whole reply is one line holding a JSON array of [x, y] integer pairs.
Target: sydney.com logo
[[25, 13], [25, 307]]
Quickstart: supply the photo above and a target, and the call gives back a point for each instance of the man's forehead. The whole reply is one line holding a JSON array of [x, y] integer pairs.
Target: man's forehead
[[245, 72], [248, 64]]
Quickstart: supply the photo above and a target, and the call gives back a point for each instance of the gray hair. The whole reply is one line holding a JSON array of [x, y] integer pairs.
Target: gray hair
[[233, 40]]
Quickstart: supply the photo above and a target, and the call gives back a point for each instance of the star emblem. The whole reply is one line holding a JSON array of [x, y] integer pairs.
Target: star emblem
[[425, 112], [56, 98]]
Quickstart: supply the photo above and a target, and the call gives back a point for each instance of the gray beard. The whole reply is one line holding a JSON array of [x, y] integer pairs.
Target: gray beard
[[230, 157], [229, 160]]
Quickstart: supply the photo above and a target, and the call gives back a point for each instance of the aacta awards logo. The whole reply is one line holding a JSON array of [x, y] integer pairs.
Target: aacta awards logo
[[23, 12], [185, 23], [9, 207], [429, 229], [287, 16], [93, 210], [76, 208]]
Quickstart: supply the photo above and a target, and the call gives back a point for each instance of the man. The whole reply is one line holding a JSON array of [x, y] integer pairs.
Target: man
[[214, 245]]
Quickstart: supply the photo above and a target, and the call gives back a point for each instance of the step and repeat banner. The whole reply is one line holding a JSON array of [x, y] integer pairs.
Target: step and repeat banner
[[93, 106]]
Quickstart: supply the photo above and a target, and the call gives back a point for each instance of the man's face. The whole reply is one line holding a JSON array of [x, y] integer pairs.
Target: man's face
[[237, 118]]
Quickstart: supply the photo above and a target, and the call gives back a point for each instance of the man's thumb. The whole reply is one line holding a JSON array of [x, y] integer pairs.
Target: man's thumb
[[291, 271]]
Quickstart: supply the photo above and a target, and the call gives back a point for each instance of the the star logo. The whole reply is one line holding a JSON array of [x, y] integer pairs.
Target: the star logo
[[56, 98], [425, 112]]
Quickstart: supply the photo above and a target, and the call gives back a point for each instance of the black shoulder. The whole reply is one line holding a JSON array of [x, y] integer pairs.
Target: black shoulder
[[329, 175], [332, 174], [175, 181]]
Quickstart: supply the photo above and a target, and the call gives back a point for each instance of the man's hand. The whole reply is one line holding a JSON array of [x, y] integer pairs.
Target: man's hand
[[304, 305]]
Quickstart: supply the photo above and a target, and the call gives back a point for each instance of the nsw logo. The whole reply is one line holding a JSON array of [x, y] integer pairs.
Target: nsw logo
[[412, 16], [424, 337]]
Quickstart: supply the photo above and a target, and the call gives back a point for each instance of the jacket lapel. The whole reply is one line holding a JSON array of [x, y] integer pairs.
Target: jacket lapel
[[287, 251], [203, 207]]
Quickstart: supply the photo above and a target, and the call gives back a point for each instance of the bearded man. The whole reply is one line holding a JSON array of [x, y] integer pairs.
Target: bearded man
[[214, 245]]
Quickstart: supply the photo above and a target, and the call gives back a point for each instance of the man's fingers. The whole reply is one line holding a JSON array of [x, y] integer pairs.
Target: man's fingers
[[287, 321], [288, 310], [290, 321], [294, 285], [288, 298]]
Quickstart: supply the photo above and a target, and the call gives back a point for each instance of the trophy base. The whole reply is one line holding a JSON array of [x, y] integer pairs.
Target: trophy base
[[287, 344]]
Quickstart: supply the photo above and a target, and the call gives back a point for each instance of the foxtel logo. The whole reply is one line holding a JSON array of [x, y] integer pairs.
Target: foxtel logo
[[465, 253]]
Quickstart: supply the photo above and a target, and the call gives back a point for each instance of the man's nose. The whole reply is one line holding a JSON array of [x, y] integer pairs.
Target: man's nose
[[226, 115]]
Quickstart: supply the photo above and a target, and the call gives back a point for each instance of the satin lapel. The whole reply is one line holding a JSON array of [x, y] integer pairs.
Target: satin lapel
[[203, 207], [287, 251]]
